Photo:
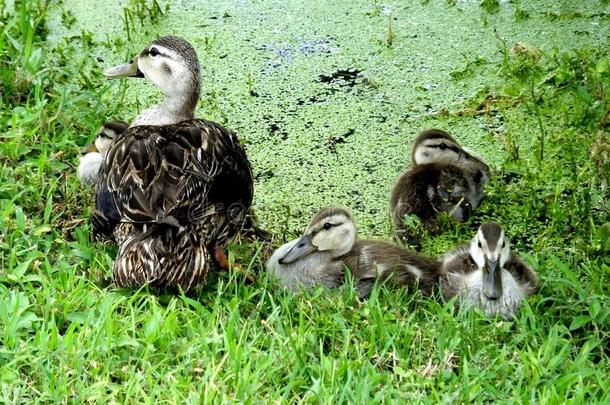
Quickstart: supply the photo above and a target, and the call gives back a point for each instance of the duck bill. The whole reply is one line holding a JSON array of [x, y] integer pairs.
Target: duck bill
[[492, 279], [88, 149], [125, 70], [302, 248]]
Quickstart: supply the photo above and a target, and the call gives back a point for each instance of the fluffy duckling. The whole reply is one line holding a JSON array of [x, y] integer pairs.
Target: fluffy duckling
[[428, 189], [444, 178], [90, 163], [329, 245], [487, 274], [437, 146], [173, 189]]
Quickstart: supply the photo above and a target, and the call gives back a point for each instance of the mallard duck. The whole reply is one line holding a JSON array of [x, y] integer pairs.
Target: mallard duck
[[444, 178], [173, 189], [487, 274], [90, 163], [329, 245]]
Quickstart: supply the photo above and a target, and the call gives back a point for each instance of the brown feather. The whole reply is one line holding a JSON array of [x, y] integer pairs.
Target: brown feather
[[176, 190]]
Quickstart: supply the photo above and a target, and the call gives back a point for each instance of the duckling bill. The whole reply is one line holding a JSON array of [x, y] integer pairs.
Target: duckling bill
[[329, 246]]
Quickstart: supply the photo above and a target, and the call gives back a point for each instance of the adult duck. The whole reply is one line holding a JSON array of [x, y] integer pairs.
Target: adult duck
[[173, 188]]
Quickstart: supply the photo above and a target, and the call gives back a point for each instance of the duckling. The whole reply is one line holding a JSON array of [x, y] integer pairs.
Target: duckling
[[90, 163], [487, 274], [173, 188], [428, 189], [329, 245], [437, 146], [444, 178]]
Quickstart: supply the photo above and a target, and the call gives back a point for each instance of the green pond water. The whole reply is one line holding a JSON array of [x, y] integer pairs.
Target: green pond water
[[326, 109]]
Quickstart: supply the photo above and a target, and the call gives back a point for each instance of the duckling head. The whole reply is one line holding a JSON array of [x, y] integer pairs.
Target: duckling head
[[105, 135], [490, 250], [89, 164], [331, 230], [435, 146], [172, 65]]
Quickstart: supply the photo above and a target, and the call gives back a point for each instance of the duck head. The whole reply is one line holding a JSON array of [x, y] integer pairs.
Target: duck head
[[490, 249], [331, 230], [171, 64], [435, 146]]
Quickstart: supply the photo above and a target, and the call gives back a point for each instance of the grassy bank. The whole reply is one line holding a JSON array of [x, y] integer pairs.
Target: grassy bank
[[540, 116]]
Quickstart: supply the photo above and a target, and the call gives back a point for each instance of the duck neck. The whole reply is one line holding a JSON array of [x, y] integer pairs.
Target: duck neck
[[176, 107]]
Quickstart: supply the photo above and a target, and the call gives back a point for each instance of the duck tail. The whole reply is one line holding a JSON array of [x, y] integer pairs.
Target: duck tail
[[163, 257]]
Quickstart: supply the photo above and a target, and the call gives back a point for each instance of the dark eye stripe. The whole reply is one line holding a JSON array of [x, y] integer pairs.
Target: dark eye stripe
[[146, 52], [445, 146]]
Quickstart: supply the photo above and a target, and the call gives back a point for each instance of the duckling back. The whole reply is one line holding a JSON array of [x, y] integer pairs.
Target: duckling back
[[371, 261], [426, 190]]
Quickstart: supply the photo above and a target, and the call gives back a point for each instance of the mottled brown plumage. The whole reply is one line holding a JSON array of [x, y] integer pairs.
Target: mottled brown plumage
[[171, 189], [426, 190]]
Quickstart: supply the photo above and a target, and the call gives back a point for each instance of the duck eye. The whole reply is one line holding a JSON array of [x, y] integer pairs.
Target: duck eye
[[327, 225], [153, 52]]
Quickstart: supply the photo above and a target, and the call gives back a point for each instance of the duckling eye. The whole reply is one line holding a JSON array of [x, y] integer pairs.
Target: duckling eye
[[327, 225], [480, 246], [443, 146], [503, 244], [153, 52]]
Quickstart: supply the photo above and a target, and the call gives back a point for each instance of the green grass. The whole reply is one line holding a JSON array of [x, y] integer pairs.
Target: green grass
[[68, 335]]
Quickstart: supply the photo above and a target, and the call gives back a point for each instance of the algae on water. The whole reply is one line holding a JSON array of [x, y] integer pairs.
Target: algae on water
[[326, 109]]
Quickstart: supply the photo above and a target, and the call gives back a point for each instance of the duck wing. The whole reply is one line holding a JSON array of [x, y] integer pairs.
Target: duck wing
[[525, 276], [176, 175], [371, 260]]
